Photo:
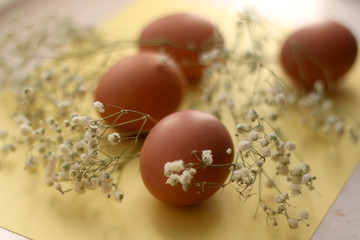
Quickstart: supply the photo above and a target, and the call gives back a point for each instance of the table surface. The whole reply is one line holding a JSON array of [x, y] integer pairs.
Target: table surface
[[341, 221]]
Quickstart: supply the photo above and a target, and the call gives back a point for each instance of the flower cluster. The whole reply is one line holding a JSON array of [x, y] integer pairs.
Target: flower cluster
[[59, 133], [73, 151], [178, 173]]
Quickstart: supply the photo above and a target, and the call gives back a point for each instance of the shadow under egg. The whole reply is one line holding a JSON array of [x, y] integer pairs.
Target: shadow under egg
[[191, 222]]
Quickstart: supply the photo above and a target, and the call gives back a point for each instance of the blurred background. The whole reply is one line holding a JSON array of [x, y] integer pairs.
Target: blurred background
[[292, 13]]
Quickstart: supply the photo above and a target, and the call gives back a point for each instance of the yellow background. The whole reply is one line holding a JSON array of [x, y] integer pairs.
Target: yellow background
[[30, 208]]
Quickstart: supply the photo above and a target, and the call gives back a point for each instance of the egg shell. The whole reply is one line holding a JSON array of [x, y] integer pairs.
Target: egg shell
[[183, 36], [322, 51], [147, 82], [174, 138]]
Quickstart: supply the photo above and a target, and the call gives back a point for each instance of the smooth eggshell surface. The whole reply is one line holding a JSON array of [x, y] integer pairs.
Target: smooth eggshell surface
[[174, 138], [184, 37], [147, 82], [322, 51]]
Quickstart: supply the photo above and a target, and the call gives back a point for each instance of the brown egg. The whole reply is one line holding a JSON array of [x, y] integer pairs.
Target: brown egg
[[176, 137], [184, 37], [146, 82], [319, 52]]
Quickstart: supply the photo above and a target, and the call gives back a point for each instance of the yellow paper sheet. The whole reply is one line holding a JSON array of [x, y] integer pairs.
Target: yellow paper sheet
[[29, 207]]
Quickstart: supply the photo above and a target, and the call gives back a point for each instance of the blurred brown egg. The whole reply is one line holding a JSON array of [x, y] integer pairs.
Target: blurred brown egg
[[184, 37], [147, 82], [176, 137], [319, 52]]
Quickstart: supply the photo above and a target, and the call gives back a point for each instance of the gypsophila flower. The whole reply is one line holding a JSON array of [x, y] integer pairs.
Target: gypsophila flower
[[295, 189], [244, 145], [185, 178], [300, 169], [173, 179], [206, 157], [85, 158], [280, 99], [26, 129], [118, 196], [281, 197], [265, 151], [229, 151], [82, 121], [64, 106], [173, 167], [264, 142], [114, 138], [254, 135], [293, 223], [303, 215], [58, 187], [290, 145], [241, 173], [3, 134], [106, 187], [281, 207], [79, 187], [306, 178], [242, 127], [252, 115], [99, 107]]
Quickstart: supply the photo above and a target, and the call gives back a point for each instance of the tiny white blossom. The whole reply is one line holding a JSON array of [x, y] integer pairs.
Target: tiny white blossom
[[263, 142], [290, 145], [95, 181], [173, 179], [106, 187], [295, 189], [3, 134], [280, 99], [26, 129], [254, 135], [185, 179], [281, 197], [82, 121], [79, 187], [20, 119], [300, 169], [244, 145], [273, 136], [306, 178], [304, 214], [28, 92], [206, 157], [293, 222], [252, 115], [192, 171], [30, 162], [265, 151], [65, 149], [85, 158], [281, 207], [283, 169], [118, 196], [174, 166], [242, 127], [114, 138], [58, 187], [229, 151], [64, 106], [99, 107], [63, 176], [241, 174]]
